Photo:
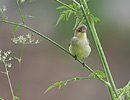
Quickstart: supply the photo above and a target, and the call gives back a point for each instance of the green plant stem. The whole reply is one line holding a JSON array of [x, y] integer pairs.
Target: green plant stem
[[66, 5], [19, 60], [106, 83], [96, 40], [20, 12], [7, 73], [13, 23], [98, 50], [124, 90]]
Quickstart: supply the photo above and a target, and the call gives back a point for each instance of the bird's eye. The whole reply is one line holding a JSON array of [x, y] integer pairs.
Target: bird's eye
[[79, 30]]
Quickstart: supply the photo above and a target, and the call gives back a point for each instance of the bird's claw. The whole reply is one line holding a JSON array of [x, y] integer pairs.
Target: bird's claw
[[75, 57], [83, 62]]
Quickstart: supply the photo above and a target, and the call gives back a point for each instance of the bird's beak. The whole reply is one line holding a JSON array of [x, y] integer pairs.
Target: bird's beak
[[83, 31]]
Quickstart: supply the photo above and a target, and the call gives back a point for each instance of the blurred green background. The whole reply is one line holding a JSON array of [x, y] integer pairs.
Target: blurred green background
[[45, 64]]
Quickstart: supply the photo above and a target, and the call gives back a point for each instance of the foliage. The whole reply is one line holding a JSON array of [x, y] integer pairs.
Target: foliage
[[76, 10], [82, 15], [2, 10], [91, 76], [99, 73], [124, 93], [59, 84]]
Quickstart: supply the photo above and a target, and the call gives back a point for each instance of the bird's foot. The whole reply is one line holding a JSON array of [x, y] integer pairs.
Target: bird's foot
[[75, 57], [83, 62]]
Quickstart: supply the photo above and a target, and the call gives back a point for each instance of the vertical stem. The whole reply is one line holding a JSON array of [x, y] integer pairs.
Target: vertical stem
[[7, 73], [96, 40], [20, 12], [98, 50], [19, 60]]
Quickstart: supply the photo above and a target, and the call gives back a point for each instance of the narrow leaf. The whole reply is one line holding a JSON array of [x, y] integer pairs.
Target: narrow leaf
[[52, 86], [94, 18], [60, 84], [75, 5], [62, 16], [100, 73], [74, 78], [65, 83], [61, 7], [69, 14], [15, 98], [78, 22], [28, 16], [15, 28]]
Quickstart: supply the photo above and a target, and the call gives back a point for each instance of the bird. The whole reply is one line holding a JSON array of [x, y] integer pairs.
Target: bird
[[79, 44]]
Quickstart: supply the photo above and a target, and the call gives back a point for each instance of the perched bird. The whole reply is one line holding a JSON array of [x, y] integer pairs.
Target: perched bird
[[79, 44]]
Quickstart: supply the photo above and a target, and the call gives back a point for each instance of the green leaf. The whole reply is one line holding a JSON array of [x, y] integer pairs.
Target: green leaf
[[99, 73], [74, 78], [79, 21], [76, 23], [77, 78], [97, 19], [15, 28], [94, 18], [69, 14], [61, 7], [71, 5], [60, 84], [87, 11], [124, 92], [28, 16], [56, 84], [65, 82], [75, 5], [52, 86], [15, 98], [62, 16]]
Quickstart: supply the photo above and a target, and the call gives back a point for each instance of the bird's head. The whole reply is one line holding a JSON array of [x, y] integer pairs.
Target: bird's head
[[81, 31]]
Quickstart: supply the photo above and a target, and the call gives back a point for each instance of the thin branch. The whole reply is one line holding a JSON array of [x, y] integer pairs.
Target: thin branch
[[13, 23], [66, 5], [19, 60], [7, 74], [20, 12]]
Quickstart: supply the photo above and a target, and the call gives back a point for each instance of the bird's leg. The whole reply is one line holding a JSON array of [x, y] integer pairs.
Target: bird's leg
[[84, 62], [75, 57]]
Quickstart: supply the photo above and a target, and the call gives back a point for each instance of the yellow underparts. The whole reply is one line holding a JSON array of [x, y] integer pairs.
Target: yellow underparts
[[79, 46]]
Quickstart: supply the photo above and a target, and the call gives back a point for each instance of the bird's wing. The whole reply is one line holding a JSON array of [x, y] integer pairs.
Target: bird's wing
[[72, 39]]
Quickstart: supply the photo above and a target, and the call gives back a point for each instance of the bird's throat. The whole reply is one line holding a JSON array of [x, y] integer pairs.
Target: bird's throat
[[81, 36]]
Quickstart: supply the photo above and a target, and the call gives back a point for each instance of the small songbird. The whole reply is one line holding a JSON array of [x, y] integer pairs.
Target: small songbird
[[79, 44]]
